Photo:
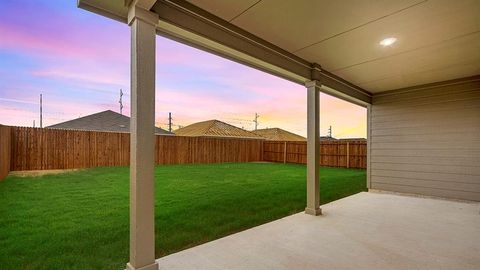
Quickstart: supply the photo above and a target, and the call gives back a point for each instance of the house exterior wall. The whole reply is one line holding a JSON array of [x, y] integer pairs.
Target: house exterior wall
[[426, 140]]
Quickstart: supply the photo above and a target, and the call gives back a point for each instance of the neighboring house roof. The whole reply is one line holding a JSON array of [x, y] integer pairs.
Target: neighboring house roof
[[103, 121], [278, 134], [215, 128]]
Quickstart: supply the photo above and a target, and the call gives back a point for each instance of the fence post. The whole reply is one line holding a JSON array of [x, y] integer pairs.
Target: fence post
[[348, 155], [285, 153], [338, 155]]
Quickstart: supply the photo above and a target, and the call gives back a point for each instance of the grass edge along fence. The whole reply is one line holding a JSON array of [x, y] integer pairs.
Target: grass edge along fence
[[26, 148]]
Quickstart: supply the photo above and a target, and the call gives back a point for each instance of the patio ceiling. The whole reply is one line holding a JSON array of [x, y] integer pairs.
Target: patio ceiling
[[436, 40]]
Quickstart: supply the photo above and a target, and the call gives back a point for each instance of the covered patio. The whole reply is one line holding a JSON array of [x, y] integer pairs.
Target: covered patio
[[363, 231], [413, 64]]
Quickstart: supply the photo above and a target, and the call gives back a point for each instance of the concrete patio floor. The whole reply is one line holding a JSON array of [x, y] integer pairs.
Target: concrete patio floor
[[363, 231]]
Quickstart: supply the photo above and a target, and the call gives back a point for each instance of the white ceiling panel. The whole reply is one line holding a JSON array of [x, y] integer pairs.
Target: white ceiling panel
[[456, 58], [293, 25], [424, 25], [436, 39]]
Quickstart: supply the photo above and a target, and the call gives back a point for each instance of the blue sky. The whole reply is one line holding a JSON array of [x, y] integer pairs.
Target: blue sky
[[79, 61]]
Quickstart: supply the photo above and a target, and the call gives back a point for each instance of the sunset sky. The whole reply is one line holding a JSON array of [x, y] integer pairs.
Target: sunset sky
[[79, 61]]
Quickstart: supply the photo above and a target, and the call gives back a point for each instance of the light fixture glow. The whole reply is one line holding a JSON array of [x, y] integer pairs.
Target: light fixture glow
[[388, 41]]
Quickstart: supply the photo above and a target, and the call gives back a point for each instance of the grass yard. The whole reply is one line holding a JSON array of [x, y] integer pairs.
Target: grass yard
[[79, 220]]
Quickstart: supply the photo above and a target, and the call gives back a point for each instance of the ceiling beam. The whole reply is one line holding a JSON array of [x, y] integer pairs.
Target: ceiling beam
[[186, 23], [183, 15], [340, 88], [102, 10], [145, 4]]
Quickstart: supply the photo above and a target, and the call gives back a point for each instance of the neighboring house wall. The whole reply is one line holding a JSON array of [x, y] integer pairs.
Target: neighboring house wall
[[426, 140]]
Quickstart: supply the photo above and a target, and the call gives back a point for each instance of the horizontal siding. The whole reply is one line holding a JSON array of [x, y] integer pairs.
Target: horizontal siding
[[432, 160], [453, 127], [462, 111], [427, 101], [428, 93], [460, 145], [413, 152], [432, 122], [447, 105], [442, 137], [414, 166], [438, 192], [447, 185], [427, 141], [436, 176]]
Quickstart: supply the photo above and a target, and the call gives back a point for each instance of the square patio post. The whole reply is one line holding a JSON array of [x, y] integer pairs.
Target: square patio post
[[142, 139], [313, 148]]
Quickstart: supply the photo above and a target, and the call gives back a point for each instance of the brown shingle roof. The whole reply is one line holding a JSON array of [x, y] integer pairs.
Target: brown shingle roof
[[103, 121], [215, 128], [278, 134]]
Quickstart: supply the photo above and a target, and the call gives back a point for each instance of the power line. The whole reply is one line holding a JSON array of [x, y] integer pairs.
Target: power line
[[239, 119], [248, 122]]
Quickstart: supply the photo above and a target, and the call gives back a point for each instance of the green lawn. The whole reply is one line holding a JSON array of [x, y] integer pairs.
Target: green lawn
[[79, 220]]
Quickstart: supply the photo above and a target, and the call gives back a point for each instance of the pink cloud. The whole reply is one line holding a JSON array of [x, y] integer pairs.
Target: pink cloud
[[77, 45], [84, 76]]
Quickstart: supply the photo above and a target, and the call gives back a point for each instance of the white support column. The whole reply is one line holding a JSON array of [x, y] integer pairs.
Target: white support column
[[313, 148], [142, 139]]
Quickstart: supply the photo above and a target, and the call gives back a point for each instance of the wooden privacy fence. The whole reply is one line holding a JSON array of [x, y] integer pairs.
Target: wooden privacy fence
[[5, 151], [24, 148], [349, 154], [45, 149]]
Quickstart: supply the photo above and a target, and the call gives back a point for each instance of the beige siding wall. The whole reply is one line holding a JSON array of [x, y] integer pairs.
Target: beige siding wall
[[426, 140]]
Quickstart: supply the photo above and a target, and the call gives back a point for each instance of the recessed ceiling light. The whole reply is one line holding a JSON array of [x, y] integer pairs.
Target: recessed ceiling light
[[388, 41]]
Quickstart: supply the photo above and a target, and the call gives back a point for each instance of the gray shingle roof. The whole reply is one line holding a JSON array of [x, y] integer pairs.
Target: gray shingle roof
[[103, 121]]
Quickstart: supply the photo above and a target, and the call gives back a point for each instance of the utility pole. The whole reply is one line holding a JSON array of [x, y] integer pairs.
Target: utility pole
[[170, 121], [41, 113], [120, 101], [256, 120], [33, 122], [330, 132]]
